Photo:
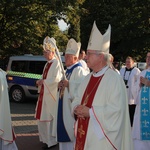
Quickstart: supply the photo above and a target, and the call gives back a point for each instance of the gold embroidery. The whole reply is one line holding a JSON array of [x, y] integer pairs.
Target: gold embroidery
[[81, 131]]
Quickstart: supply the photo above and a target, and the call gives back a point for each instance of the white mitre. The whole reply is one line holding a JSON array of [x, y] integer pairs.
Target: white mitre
[[98, 41], [49, 43], [73, 47]]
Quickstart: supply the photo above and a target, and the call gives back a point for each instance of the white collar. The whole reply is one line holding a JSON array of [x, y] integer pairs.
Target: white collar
[[71, 66], [101, 72]]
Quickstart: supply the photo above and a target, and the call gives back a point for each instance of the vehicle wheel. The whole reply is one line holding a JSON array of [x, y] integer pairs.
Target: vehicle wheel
[[17, 94]]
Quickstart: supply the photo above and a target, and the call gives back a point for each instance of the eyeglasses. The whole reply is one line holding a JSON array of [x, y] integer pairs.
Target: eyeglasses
[[90, 53]]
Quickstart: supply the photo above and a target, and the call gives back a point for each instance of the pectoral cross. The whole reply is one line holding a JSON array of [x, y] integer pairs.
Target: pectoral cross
[[145, 123], [81, 131], [144, 99], [144, 110]]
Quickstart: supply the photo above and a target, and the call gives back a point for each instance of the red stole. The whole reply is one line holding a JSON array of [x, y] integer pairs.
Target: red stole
[[40, 99], [87, 100]]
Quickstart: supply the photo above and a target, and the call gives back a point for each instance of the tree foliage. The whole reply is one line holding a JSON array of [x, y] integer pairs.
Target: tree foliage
[[25, 23], [130, 25]]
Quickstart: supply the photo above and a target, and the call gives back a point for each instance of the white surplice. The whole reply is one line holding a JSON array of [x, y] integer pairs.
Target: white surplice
[[131, 76], [110, 106], [75, 80], [7, 137], [46, 127]]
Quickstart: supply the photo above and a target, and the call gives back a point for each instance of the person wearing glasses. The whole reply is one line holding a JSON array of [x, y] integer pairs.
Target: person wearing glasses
[[129, 74], [47, 100], [141, 123], [101, 103]]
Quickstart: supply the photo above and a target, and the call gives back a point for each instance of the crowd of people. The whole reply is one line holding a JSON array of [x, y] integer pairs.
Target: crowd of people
[[90, 105]]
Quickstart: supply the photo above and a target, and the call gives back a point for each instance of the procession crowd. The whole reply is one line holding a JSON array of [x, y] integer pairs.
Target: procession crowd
[[90, 105]]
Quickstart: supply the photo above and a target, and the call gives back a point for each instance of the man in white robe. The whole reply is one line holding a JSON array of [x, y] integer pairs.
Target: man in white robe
[[141, 123], [7, 136], [129, 75], [68, 88], [101, 104], [47, 100]]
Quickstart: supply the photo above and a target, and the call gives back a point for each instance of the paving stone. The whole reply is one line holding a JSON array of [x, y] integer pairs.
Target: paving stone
[[25, 126]]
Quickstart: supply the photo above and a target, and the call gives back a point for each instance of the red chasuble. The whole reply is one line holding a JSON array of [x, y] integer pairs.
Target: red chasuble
[[40, 99], [87, 100]]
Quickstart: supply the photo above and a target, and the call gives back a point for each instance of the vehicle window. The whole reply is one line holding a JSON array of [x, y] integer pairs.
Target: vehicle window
[[36, 67], [18, 66]]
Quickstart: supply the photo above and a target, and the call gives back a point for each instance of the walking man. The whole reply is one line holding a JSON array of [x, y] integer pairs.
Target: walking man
[[47, 100], [75, 73], [129, 75], [101, 104]]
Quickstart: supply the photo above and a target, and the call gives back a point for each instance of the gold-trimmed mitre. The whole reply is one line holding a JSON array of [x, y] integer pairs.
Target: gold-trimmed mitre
[[49, 43]]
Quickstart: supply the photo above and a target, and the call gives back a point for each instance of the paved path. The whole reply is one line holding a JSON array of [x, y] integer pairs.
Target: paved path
[[25, 126]]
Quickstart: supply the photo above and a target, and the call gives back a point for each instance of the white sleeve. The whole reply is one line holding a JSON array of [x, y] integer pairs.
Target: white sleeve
[[96, 125]]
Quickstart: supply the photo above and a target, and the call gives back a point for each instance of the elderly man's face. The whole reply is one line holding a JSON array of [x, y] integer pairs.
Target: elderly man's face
[[48, 54], [70, 59], [93, 58]]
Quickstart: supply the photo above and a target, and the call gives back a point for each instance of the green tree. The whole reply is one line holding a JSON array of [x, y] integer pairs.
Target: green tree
[[71, 11], [130, 25], [24, 25]]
